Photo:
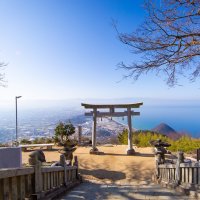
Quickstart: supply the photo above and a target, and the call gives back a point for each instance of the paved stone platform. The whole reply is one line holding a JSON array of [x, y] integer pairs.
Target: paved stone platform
[[99, 191]]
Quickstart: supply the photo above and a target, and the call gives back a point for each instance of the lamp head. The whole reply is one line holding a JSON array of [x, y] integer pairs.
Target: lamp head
[[17, 97]]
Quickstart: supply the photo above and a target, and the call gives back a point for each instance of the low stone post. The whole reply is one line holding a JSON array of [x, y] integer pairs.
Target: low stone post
[[180, 160], [75, 163], [37, 177], [63, 164], [62, 160]]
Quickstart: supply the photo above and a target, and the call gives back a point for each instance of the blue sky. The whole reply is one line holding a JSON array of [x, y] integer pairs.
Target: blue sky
[[65, 49]]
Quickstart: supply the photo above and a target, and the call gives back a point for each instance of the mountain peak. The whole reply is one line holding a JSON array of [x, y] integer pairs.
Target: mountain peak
[[164, 129]]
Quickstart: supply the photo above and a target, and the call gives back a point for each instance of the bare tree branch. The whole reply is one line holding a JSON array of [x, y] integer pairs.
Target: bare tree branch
[[168, 40], [2, 75]]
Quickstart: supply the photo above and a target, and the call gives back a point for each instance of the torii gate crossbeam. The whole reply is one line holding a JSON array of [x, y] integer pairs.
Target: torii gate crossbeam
[[111, 113]]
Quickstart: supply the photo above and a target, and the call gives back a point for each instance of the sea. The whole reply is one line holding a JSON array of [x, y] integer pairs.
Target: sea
[[183, 118]]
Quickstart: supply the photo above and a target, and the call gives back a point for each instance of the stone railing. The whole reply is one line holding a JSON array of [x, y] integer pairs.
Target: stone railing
[[189, 174], [37, 182], [184, 177], [16, 183]]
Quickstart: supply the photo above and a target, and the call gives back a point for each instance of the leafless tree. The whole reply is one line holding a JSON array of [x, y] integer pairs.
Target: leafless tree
[[168, 41], [2, 78]]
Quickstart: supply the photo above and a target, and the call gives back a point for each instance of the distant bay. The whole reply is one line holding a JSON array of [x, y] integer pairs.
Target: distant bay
[[41, 122]]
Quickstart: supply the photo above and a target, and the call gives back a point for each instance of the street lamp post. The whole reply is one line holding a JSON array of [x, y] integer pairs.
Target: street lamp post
[[17, 97]]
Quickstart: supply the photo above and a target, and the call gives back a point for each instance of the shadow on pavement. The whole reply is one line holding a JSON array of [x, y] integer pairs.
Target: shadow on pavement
[[94, 191], [104, 174]]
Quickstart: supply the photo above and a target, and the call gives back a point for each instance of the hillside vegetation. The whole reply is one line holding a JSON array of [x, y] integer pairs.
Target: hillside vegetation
[[142, 138]]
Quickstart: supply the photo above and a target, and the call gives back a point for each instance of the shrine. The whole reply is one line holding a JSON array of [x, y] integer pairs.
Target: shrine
[[110, 110]]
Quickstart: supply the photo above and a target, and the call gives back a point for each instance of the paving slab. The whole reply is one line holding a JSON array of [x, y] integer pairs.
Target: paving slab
[[99, 191]]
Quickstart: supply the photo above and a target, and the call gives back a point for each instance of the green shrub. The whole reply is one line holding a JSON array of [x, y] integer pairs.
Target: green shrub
[[38, 141], [49, 140], [25, 141], [123, 137], [185, 144], [142, 138], [43, 140], [62, 133]]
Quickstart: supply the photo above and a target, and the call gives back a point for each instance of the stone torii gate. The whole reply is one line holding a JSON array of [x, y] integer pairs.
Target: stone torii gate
[[112, 113]]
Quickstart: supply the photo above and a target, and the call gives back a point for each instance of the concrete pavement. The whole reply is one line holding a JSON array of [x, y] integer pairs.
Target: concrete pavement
[[98, 191]]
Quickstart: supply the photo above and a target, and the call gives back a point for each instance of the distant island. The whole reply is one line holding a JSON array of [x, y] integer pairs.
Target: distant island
[[164, 129]]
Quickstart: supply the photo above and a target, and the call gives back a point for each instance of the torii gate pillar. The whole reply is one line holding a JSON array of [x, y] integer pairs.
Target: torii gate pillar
[[94, 132], [130, 150]]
